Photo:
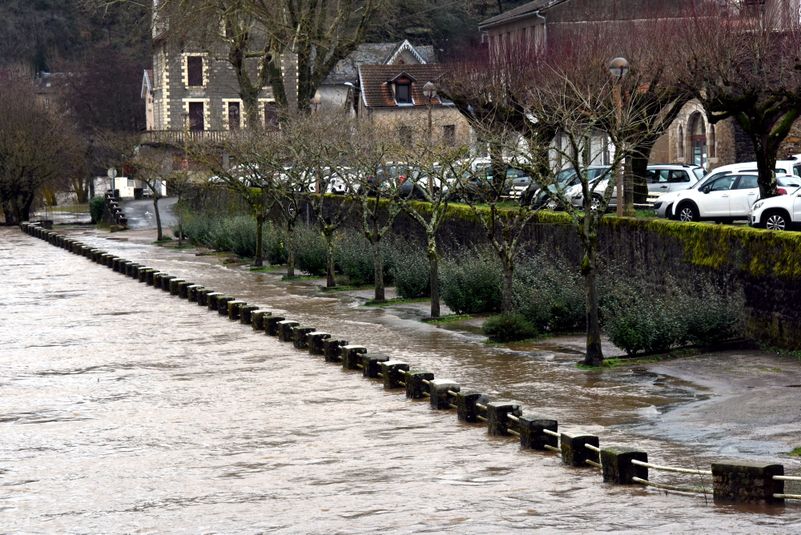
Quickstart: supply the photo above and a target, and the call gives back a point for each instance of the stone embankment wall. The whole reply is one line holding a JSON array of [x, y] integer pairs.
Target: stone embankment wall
[[766, 265]]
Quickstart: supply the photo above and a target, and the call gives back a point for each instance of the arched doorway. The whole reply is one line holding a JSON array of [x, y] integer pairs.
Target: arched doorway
[[697, 130]]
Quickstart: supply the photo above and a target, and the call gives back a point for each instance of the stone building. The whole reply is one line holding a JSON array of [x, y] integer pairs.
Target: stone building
[[391, 97]]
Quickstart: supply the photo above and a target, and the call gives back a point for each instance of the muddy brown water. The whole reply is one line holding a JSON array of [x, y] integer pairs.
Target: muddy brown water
[[124, 409]]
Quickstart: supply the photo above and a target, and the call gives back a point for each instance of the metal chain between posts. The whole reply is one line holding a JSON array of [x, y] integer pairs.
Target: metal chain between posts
[[672, 469]]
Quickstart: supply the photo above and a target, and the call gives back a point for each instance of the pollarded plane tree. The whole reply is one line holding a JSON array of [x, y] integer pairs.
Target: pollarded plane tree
[[743, 64], [426, 193], [374, 190], [249, 165], [318, 149]]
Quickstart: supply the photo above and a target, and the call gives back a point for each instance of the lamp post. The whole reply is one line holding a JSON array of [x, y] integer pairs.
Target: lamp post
[[618, 68], [429, 91]]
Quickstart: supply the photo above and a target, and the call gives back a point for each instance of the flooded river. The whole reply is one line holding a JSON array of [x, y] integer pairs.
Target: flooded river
[[126, 410]]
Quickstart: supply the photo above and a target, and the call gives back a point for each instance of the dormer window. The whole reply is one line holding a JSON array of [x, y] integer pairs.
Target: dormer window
[[402, 86], [403, 93]]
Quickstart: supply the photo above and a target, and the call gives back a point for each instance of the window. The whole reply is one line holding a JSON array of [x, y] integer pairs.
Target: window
[[234, 116], [194, 71], [721, 184], [197, 121], [677, 176], [449, 134], [403, 92], [747, 182], [270, 116]]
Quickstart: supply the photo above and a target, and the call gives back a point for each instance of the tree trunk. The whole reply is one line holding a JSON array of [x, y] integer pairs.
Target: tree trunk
[[258, 261], [637, 169], [378, 271], [290, 249], [507, 296], [433, 274], [766, 165], [330, 281], [159, 233], [594, 355]]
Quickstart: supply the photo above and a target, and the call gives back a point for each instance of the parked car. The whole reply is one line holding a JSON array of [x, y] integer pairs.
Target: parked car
[[778, 213], [724, 198], [664, 205], [565, 179]]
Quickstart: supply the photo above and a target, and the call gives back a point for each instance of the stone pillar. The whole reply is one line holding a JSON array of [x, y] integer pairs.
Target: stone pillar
[[211, 300], [332, 349], [371, 365], [617, 467], [498, 416], [747, 482], [532, 435], [416, 388], [183, 289], [166, 281], [222, 304], [466, 401], [257, 319], [143, 274], [394, 372], [271, 324], [351, 356], [192, 292], [574, 453], [438, 391], [234, 308], [315, 341], [245, 313], [174, 285], [285, 330], [203, 296], [150, 278], [300, 336]]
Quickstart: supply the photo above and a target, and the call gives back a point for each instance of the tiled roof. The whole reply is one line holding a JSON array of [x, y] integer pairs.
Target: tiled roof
[[370, 54], [377, 91], [519, 12]]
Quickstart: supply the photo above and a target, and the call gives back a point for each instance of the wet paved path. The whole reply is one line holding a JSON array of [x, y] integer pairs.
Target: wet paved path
[[123, 409]]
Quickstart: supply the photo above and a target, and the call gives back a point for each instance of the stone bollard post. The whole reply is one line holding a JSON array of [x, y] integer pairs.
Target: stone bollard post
[[222, 304], [183, 289], [143, 274], [192, 291], [416, 387], [151, 277], [315, 341], [532, 435], [574, 453], [102, 258], [747, 482], [332, 349], [271, 324], [234, 309], [439, 393], [133, 270], [300, 336], [211, 299], [166, 282], [371, 365], [245, 312], [203, 296], [394, 372], [257, 318], [285, 329], [122, 266], [498, 416], [617, 466], [174, 285], [110, 261], [351, 356], [466, 409]]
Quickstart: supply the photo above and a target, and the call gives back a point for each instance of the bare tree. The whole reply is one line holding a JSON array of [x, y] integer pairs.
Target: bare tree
[[744, 65], [154, 167], [37, 147]]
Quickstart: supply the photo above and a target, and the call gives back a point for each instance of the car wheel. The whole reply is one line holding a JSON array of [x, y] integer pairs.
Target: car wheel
[[775, 221], [687, 213], [596, 203]]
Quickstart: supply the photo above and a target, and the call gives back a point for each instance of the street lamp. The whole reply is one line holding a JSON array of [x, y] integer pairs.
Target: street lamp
[[618, 68], [429, 91]]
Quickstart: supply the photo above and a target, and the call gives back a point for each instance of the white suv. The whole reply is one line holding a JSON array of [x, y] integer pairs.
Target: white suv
[[777, 213]]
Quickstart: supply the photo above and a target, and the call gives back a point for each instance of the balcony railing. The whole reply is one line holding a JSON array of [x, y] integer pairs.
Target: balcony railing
[[179, 137]]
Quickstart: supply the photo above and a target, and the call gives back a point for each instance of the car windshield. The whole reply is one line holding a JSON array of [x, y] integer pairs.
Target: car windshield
[[699, 172]]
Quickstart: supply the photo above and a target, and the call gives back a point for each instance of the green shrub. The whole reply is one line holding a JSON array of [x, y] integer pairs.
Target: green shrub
[[713, 316], [310, 250], [471, 282], [549, 292], [274, 242], [409, 268], [236, 234], [354, 256], [96, 207], [509, 327], [645, 323]]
